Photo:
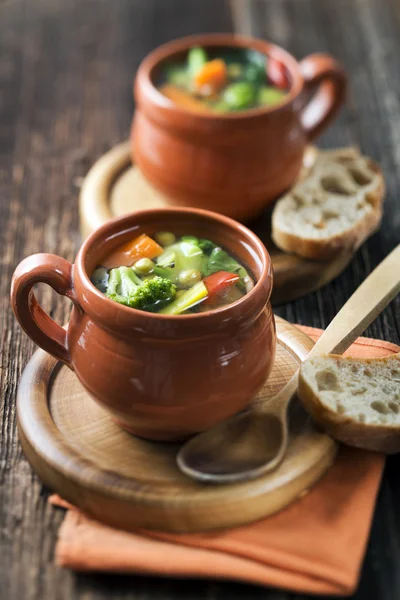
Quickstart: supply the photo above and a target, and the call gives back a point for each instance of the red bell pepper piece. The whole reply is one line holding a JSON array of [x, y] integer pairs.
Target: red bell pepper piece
[[218, 282], [277, 74]]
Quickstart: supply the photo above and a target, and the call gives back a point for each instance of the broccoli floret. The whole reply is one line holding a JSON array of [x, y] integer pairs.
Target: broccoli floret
[[153, 294], [125, 287], [207, 246]]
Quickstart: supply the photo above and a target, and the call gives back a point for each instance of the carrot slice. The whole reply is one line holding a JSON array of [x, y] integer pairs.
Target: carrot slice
[[183, 98], [125, 255], [213, 73]]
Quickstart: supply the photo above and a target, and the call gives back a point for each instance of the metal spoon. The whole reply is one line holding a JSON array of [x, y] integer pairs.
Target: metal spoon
[[254, 442]]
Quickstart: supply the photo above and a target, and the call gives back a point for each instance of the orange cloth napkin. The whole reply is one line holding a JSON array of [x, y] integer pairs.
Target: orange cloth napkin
[[316, 545]]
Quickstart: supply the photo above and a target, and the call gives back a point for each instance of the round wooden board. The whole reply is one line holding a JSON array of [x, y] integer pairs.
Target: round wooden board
[[130, 483], [114, 187]]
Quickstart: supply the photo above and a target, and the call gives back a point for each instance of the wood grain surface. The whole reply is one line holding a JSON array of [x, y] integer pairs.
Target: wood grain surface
[[66, 70]]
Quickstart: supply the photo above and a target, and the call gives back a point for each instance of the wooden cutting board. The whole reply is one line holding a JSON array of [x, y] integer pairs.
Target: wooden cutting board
[[131, 483], [114, 187]]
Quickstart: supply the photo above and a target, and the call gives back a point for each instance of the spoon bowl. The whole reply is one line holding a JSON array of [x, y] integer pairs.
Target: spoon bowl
[[236, 450]]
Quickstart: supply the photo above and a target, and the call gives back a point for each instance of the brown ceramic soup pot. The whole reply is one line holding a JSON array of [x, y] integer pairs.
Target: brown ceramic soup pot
[[233, 163], [161, 377]]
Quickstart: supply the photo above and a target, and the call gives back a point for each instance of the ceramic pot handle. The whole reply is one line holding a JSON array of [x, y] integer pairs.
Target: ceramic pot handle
[[57, 273], [324, 76]]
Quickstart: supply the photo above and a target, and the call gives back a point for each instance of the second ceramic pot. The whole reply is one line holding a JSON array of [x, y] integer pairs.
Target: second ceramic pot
[[234, 163]]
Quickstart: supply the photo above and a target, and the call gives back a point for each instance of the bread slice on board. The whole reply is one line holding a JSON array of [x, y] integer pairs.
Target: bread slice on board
[[335, 206], [356, 401]]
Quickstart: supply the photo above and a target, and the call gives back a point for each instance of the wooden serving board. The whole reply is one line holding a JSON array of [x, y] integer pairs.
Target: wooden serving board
[[130, 483], [114, 187]]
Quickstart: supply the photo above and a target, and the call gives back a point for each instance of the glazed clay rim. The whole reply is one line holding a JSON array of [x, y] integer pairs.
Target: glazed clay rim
[[126, 225], [163, 52]]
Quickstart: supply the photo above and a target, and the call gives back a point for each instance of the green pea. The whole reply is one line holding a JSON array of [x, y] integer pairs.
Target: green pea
[[165, 238], [239, 95], [143, 266], [189, 277], [268, 96]]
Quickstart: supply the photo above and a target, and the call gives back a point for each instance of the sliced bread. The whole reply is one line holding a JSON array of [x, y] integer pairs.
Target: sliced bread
[[356, 401], [335, 206]]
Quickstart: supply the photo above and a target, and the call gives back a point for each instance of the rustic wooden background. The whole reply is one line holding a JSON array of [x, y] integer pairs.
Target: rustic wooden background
[[66, 68]]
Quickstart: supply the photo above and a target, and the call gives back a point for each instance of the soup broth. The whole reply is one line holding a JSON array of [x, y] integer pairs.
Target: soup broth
[[225, 80], [172, 275]]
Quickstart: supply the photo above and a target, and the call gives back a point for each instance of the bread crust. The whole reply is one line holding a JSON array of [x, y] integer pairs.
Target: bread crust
[[349, 240], [375, 437]]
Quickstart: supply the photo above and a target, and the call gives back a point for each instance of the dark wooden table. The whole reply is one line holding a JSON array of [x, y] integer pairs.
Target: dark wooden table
[[66, 68]]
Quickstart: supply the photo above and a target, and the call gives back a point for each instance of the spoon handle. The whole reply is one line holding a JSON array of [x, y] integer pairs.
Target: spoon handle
[[367, 302]]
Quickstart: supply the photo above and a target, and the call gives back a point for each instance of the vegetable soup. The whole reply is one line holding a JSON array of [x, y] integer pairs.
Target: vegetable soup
[[225, 80], [172, 275]]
